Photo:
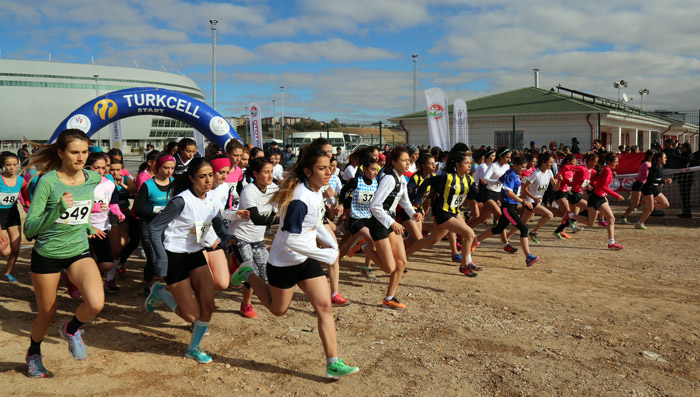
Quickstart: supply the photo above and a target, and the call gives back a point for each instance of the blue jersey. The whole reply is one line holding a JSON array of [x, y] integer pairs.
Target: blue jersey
[[157, 199], [10, 195], [511, 182], [361, 197]]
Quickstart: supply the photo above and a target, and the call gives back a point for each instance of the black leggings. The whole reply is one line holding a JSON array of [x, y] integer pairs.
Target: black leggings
[[510, 217], [134, 240]]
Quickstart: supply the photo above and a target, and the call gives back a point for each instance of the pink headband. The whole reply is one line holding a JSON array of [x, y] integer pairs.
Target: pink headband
[[218, 164], [164, 160]]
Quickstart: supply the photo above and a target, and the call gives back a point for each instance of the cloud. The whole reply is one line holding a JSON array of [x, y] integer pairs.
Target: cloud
[[334, 50]]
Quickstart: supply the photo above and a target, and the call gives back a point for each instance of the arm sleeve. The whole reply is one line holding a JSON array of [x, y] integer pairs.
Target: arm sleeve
[[293, 220], [139, 207], [37, 219], [219, 227], [348, 187], [376, 206], [155, 231], [606, 186], [325, 237], [260, 220], [489, 173]]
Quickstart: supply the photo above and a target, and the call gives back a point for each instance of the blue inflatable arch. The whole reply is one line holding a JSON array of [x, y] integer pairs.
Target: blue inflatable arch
[[116, 105]]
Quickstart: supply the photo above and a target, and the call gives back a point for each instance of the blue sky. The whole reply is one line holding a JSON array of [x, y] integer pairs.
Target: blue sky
[[351, 59]]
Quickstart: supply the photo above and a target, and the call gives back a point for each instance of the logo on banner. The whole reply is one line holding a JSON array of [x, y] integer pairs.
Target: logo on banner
[[106, 107], [615, 184], [460, 118], [436, 111], [219, 126], [253, 111], [79, 122]]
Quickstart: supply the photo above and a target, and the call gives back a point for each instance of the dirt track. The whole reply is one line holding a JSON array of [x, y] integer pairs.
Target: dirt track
[[574, 324]]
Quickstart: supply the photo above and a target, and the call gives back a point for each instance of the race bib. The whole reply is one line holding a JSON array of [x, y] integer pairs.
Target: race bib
[[457, 201], [158, 208], [321, 212], [78, 214], [365, 197], [585, 183], [542, 188], [8, 198], [101, 199], [395, 203], [200, 230], [497, 186]]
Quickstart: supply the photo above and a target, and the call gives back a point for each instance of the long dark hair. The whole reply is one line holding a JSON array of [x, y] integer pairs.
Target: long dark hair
[[393, 156], [648, 155], [92, 157], [296, 175], [423, 160], [543, 159], [5, 155], [452, 160], [604, 161], [255, 165], [46, 158], [182, 182], [153, 155]]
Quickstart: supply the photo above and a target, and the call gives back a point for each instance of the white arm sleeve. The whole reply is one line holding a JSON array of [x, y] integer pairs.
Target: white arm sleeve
[[376, 206]]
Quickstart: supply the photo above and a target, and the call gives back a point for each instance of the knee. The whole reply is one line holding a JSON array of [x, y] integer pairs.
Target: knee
[[400, 264], [612, 218], [221, 284], [95, 303], [324, 308], [278, 311], [207, 308], [469, 235], [190, 315], [523, 231]]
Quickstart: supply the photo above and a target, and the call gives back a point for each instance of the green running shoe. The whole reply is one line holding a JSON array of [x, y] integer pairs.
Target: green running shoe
[[338, 369], [238, 277], [640, 226], [559, 236], [199, 355], [152, 300], [534, 238]]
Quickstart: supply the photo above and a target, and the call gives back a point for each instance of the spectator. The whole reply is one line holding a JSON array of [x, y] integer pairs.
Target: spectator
[[575, 149], [287, 156], [685, 179], [598, 147], [673, 155], [340, 156], [274, 147], [23, 155], [634, 149]]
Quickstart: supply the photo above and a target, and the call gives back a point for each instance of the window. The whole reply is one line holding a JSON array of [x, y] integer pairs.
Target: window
[[505, 138]]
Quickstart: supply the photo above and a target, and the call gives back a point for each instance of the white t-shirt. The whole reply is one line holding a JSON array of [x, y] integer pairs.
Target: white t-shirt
[[539, 181], [349, 172], [492, 174], [412, 168], [187, 232], [219, 196], [278, 172], [252, 196]]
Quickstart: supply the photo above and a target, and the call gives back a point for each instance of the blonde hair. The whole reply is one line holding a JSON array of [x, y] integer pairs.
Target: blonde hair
[[46, 158]]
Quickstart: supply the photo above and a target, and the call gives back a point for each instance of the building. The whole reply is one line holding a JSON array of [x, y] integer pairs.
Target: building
[[517, 118], [36, 96]]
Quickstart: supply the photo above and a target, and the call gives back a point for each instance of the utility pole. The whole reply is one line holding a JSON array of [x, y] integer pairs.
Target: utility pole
[[415, 85], [99, 141], [283, 137], [213, 23], [273, 119]]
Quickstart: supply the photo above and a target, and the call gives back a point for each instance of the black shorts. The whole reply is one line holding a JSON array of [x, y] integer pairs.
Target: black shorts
[[560, 195], [377, 230], [285, 277], [481, 194], [43, 265], [534, 205], [101, 249], [442, 216], [648, 190], [595, 201], [357, 224], [402, 216], [637, 186], [491, 195], [574, 197], [9, 217], [181, 264], [210, 249]]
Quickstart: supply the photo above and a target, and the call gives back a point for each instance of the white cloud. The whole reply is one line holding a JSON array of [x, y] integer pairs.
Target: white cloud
[[334, 50]]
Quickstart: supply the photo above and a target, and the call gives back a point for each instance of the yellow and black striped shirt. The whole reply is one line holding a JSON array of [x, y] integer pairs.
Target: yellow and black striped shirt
[[450, 191]]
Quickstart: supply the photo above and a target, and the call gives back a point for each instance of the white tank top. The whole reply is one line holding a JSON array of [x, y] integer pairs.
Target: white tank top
[[187, 232]]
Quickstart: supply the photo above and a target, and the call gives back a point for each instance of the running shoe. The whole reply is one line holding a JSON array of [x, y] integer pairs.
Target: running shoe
[[509, 248], [9, 278], [247, 311], [475, 244], [615, 247], [141, 254], [111, 286], [624, 221], [565, 235], [577, 229], [459, 246], [153, 299], [199, 355], [357, 247], [640, 226], [531, 260], [573, 225], [368, 272], [146, 290], [467, 271], [473, 267], [559, 236], [238, 277], [603, 223], [339, 369], [534, 238], [338, 300], [73, 291], [457, 258], [35, 366], [121, 269], [76, 347], [393, 304]]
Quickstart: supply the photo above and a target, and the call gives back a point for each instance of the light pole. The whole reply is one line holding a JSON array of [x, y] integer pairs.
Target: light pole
[[246, 120], [213, 23], [99, 141], [273, 119], [619, 85], [283, 138], [642, 92], [415, 58]]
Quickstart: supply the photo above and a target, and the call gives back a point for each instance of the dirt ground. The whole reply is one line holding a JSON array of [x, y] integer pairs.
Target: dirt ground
[[576, 323]]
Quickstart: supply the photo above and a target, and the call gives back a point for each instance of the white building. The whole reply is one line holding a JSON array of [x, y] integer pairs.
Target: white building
[[36, 96]]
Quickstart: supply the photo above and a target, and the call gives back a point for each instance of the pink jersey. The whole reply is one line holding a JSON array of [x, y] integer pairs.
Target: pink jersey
[[235, 175], [601, 184], [567, 174], [582, 177], [643, 171], [141, 178], [103, 194]]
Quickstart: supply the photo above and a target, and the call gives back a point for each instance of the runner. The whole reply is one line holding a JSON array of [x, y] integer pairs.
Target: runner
[[10, 222], [510, 197], [653, 198], [59, 219], [636, 194], [426, 169], [580, 182], [187, 149], [294, 257], [177, 236]]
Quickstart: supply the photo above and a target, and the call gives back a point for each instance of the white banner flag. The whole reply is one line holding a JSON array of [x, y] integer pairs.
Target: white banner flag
[[459, 109], [256, 137], [199, 140], [115, 135], [438, 118]]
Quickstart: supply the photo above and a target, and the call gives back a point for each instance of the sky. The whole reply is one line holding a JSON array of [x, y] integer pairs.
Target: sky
[[351, 59]]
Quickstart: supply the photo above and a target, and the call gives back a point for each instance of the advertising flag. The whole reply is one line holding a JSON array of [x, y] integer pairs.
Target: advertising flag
[[256, 137], [199, 140], [459, 109], [438, 118], [115, 135]]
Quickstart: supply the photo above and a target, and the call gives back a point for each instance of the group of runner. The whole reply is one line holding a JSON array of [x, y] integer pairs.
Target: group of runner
[[202, 223]]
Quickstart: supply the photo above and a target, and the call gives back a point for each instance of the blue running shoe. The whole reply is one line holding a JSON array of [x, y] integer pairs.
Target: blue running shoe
[[76, 347], [199, 355], [152, 299], [10, 278], [238, 277], [531, 260], [457, 258], [35, 366]]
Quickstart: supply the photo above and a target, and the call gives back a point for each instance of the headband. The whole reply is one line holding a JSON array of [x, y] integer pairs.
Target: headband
[[503, 152], [489, 153], [218, 164], [164, 160]]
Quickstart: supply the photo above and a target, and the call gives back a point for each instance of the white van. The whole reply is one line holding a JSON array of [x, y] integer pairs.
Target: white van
[[299, 139]]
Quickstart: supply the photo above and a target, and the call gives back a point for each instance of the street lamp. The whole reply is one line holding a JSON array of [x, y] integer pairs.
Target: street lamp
[[619, 85], [283, 138], [415, 59], [96, 76], [642, 92], [273, 119], [213, 23]]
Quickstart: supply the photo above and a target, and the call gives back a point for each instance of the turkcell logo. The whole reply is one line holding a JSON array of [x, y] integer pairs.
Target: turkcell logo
[[106, 108]]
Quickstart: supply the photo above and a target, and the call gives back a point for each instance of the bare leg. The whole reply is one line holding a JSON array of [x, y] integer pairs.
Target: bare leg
[[45, 286], [316, 290], [218, 266], [15, 236], [86, 277]]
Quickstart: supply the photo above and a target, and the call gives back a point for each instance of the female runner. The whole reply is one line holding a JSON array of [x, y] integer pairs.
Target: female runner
[[10, 222], [636, 195], [580, 182], [179, 255], [59, 219], [653, 198], [426, 169], [294, 257], [510, 197], [598, 202]]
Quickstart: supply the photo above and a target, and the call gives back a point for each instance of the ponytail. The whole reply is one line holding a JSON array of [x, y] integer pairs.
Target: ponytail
[[296, 175], [46, 158]]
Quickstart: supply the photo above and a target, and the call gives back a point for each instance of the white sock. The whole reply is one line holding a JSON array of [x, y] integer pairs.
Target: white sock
[[112, 272], [389, 298], [331, 360], [334, 294], [469, 258], [611, 241]]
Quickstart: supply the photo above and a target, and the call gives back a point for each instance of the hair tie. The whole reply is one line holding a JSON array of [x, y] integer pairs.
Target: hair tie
[[164, 160], [218, 164]]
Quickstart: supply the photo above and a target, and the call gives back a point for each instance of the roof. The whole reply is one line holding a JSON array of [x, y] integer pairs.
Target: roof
[[536, 100]]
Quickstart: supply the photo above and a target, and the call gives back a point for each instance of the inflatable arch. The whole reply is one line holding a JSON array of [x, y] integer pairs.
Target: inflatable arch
[[143, 101]]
